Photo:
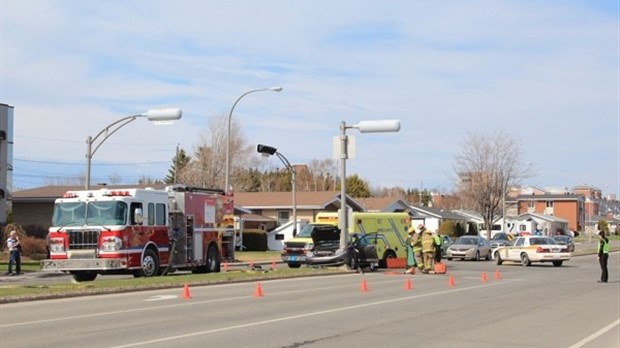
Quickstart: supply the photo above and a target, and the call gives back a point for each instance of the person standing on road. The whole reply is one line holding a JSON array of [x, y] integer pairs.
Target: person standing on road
[[410, 257], [14, 253], [417, 247], [602, 249], [428, 249], [438, 242]]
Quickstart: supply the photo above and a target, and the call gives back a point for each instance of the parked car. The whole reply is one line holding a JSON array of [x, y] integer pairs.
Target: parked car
[[565, 240], [501, 239], [446, 241], [469, 247], [528, 249]]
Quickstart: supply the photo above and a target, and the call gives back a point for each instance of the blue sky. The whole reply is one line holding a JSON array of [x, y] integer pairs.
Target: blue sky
[[545, 72]]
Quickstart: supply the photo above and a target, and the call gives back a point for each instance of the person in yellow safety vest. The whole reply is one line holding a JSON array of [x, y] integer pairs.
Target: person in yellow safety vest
[[416, 244], [428, 250], [438, 241], [602, 249]]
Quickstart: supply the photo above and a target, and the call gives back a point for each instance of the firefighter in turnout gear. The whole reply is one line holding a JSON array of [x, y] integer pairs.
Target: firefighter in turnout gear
[[428, 250], [416, 244]]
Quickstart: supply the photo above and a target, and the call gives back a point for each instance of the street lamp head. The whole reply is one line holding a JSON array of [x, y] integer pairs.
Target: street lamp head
[[168, 114], [276, 89], [266, 150], [378, 126]]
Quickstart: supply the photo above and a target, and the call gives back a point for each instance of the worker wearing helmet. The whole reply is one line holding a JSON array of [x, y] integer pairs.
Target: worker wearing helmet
[[410, 256], [416, 243], [428, 250]]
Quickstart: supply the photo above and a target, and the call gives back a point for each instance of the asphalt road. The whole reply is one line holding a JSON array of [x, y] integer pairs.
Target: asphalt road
[[537, 306]]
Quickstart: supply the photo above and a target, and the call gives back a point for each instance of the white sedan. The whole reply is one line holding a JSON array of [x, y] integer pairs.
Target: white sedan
[[528, 249]]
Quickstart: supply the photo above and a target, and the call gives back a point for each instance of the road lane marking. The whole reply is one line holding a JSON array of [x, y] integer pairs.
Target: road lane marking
[[186, 303], [160, 298], [596, 335], [305, 315]]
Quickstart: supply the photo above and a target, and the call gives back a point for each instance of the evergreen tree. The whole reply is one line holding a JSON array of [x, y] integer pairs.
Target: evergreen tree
[[179, 162]]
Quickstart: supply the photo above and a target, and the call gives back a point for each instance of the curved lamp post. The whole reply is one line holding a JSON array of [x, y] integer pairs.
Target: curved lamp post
[[154, 115], [227, 169], [376, 126], [268, 151]]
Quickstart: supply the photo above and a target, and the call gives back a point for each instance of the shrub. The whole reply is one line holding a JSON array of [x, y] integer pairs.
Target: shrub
[[254, 240]]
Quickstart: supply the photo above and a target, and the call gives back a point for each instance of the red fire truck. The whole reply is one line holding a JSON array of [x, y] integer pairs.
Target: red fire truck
[[145, 232]]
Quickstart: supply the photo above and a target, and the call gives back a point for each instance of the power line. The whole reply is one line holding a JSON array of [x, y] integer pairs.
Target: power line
[[98, 164]]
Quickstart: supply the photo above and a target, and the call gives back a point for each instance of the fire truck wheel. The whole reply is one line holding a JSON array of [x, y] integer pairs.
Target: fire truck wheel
[[84, 276], [150, 265], [213, 262]]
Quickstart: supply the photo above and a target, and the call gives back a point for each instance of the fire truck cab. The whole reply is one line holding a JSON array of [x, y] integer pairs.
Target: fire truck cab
[[144, 232]]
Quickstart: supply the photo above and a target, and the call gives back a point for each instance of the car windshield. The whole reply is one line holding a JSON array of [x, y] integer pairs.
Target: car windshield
[[542, 241], [499, 236], [467, 241], [93, 213], [306, 232], [563, 239]]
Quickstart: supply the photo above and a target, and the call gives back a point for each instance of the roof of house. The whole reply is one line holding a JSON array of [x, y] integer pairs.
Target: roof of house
[[551, 218], [303, 200], [548, 197], [50, 193], [386, 204]]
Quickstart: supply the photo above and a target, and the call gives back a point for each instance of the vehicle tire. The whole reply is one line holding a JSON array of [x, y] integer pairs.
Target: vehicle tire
[[525, 260], [84, 276], [498, 259], [293, 265], [149, 267], [488, 257], [387, 255], [557, 263], [213, 260], [477, 258], [449, 258]]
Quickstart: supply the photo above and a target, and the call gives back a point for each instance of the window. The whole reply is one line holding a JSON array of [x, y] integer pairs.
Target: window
[[283, 217], [151, 214], [279, 236], [531, 204], [519, 242], [136, 213], [549, 204], [160, 214]]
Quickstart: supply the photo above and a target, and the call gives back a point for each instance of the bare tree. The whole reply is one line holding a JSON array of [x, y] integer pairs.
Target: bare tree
[[207, 166], [486, 166]]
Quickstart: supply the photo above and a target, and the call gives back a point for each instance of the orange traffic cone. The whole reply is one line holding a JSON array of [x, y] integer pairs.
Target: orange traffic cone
[[408, 284], [497, 275], [364, 286], [225, 266], [483, 277], [258, 291], [186, 294], [451, 280], [273, 265]]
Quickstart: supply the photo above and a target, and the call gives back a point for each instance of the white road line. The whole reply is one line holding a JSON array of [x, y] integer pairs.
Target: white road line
[[595, 335], [311, 314]]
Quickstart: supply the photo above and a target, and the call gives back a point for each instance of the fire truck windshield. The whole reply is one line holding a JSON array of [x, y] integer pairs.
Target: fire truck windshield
[[91, 213]]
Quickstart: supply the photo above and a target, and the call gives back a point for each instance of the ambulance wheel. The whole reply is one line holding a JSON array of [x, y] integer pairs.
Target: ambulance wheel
[[84, 276], [213, 261], [149, 267]]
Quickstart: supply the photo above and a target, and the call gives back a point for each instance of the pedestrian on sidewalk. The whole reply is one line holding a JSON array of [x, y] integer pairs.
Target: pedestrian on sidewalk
[[14, 253]]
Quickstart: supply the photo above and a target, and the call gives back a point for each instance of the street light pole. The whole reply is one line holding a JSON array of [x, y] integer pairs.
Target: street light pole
[[227, 169], [155, 115], [376, 126], [268, 150]]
